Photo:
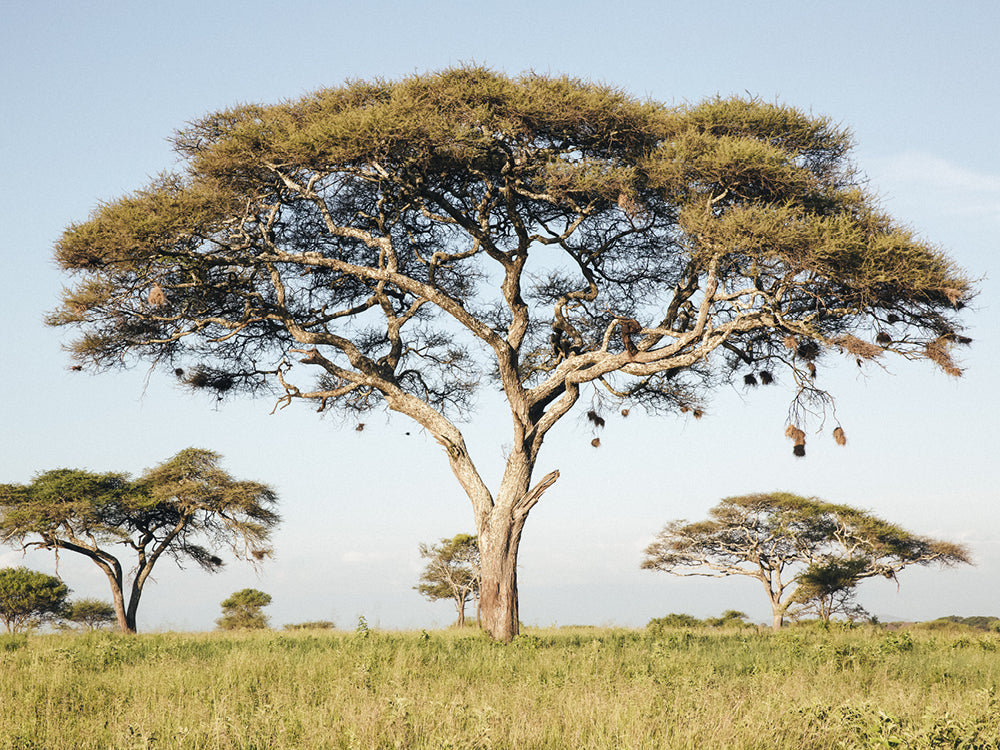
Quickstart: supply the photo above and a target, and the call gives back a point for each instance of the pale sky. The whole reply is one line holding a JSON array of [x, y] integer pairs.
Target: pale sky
[[92, 90]]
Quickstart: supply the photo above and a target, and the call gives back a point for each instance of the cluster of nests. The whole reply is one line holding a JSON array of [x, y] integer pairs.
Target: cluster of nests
[[798, 438], [598, 421], [766, 378]]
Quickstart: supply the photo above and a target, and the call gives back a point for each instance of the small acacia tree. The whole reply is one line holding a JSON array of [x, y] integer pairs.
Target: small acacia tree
[[91, 614], [185, 508], [787, 542], [28, 597], [452, 572], [242, 610], [828, 588], [551, 238]]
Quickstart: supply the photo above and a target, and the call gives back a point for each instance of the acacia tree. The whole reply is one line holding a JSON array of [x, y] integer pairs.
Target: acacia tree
[[242, 610], [92, 614], [28, 597], [185, 508], [802, 550], [561, 241], [828, 588], [452, 572]]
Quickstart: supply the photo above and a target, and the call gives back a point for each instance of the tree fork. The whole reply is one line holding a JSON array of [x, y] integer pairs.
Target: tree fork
[[499, 538]]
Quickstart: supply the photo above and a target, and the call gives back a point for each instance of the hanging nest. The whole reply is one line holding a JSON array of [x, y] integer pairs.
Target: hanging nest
[[839, 436], [954, 297], [858, 348], [956, 338], [697, 413], [937, 352], [360, 427], [750, 380], [629, 206], [156, 296], [766, 378], [883, 339], [596, 419], [213, 380], [798, 438], [892, 319], [790, 343], [807, 350], [812, 370], [596, 442]]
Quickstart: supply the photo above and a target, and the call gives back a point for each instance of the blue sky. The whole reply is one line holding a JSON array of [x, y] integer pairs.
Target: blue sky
[[92, 90]]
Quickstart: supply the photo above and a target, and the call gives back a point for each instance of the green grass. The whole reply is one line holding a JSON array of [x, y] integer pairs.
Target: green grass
[[571, 688]]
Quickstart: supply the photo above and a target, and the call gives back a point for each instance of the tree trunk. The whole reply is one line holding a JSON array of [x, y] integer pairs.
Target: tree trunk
[[114, 573], [778, 620], [460, 606], [498, 542], [118, 597]]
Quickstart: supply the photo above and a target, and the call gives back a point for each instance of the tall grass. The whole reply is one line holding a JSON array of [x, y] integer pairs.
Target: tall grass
[[579, 688]]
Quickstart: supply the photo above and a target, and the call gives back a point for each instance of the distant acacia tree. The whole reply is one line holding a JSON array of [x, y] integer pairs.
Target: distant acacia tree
[[243, 610], [28, 597], [452, 572], [828, 588], [92, 614], [552, 239], [802, 550], [185, 508]]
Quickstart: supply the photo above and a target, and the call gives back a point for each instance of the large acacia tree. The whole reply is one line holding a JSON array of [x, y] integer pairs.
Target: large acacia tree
[[802, 550], [186, 508], [407, 241]]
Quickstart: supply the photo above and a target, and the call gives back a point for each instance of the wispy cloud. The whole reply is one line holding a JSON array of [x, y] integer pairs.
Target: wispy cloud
[[919, 181]]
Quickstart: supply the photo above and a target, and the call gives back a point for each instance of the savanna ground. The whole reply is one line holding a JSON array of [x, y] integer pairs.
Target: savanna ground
[[557, 688]]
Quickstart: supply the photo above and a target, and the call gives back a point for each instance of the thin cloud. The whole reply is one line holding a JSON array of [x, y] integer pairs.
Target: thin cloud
[[922, 181]]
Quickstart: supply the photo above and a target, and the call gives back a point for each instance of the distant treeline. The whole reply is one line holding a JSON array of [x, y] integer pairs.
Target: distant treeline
[[733, 617]]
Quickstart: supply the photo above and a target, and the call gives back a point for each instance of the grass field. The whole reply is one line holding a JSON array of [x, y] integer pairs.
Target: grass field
[[566, 688]]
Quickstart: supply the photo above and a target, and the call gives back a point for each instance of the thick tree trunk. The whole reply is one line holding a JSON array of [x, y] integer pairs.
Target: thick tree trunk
[[778, 619], [125, 624], [499, 538], [460, 606], [498, 542], [133, 606]]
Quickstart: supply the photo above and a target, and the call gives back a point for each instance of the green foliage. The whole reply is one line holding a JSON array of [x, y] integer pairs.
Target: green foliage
[[311, 625], [452, 572], [28, 597], [242, 610], [89, 613], [185, 508], [810, 555], [738, 189], [979, 622], [729, 618], [673, 620]]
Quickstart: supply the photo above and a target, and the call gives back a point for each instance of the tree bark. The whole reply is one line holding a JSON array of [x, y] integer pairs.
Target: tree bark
[[499, 539], [118, 597], [778, 619]]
